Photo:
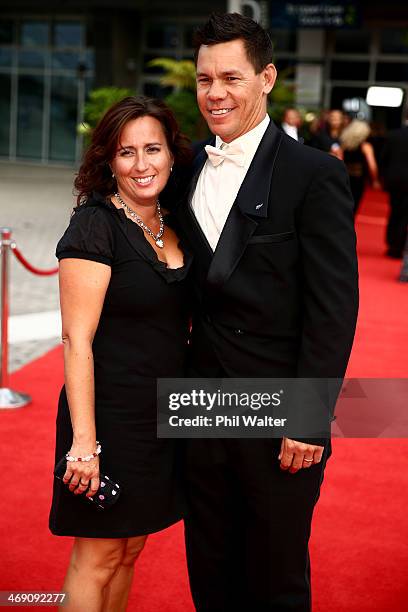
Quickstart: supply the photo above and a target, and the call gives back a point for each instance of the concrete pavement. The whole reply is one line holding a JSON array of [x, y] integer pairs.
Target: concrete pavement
[[36, 202]]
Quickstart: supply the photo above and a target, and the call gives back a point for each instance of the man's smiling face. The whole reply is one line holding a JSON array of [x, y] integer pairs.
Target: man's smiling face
[[231, 96]]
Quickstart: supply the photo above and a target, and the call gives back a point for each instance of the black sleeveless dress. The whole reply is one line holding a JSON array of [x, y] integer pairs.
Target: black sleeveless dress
[[142, 335], [356, 165]]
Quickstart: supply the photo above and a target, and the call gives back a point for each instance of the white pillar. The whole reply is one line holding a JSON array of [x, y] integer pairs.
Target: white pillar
[[255, 8], [235, 6], [309, 71]]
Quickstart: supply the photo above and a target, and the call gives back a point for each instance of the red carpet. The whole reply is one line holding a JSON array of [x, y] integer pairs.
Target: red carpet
[[381, 344], [360, 537]]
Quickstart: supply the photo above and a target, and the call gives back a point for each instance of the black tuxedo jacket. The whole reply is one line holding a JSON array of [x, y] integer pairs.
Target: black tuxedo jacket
[[278, 297]]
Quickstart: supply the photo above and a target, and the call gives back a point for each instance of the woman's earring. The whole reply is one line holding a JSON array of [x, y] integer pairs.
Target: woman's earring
[[171, 168]]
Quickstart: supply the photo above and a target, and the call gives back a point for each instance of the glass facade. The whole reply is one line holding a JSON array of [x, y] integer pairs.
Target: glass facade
[[30, 116], [349, 71], [358, 59], [34, 34], [164, 38], [47, 66], [352, 41], [45, 71], [284, 40], [394, 40], [6, 32], [63, 118], [5, 108]]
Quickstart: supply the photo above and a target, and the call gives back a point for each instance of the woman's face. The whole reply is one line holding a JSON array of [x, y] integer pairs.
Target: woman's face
[[335, 119], [143, 161]]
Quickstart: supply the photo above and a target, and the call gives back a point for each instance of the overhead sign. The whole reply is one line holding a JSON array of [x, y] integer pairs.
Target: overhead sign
[[330, 14]]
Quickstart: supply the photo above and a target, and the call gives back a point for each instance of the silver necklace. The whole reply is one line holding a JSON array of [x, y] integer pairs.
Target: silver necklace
[[156, 237]]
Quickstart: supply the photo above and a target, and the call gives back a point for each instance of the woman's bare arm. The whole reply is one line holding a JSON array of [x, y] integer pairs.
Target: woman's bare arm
[[368, 152], [83, 286]]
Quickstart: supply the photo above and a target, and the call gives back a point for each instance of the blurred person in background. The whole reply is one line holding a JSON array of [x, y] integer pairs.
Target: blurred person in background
[[394, 169], [377, 139], [292, 124], [404, 268], [359, 157], [317, 123], [328, 138]]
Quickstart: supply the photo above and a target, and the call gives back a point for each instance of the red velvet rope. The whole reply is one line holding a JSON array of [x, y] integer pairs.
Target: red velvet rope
[[31, 268]]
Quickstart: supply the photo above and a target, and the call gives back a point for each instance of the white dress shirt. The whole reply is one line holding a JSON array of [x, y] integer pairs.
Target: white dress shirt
[[290, 130], [217, 187]]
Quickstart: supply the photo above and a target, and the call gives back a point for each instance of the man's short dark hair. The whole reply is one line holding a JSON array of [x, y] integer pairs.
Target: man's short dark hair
[[221, 28]]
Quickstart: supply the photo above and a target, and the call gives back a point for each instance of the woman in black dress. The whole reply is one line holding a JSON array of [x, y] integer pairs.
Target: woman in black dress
[[124, 304], [359, 158]]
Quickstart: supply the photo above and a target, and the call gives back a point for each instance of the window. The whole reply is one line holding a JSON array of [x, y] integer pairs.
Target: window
[[284, 40], [352, 41], [67, 34], [66, 60], [34, 34], [286, 67], [392, 71], [31, 58], [164, 39], [44, 76], [6, 32], [189, 36], [5, 95], [163, 36], [6, 57], [63, 118], [30, 116], [349, 71], [394, 40]]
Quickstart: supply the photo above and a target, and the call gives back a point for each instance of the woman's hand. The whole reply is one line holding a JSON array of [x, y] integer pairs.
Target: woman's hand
[[81, 476]]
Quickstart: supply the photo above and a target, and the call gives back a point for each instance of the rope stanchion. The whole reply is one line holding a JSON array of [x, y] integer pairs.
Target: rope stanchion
[[27, 264], [8, 397]]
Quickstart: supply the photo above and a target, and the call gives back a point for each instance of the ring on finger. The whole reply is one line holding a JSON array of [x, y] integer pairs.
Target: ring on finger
[[307, 460]]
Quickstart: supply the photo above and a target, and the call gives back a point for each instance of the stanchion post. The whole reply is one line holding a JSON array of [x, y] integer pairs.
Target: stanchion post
[[8, 397]]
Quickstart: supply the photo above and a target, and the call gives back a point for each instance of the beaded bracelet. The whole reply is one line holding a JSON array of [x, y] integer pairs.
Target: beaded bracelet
[[88, 457]]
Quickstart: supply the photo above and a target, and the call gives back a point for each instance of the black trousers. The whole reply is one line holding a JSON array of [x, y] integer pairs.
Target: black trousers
[[248, 526], [357, 186], [397, 223]]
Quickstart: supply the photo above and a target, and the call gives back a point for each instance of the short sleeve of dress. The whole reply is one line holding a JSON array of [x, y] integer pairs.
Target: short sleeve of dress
[[88, 236]]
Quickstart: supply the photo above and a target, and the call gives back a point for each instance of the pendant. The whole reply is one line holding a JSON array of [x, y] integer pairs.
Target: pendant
[[160, 243]]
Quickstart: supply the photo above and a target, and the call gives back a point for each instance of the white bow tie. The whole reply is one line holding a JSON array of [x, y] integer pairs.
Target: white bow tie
[[233, 152]]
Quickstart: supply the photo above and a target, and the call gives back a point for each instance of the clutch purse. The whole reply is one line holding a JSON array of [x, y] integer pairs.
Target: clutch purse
[[106, 496]]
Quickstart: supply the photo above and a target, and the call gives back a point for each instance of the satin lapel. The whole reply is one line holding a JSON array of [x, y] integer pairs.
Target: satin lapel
[[251, 205]]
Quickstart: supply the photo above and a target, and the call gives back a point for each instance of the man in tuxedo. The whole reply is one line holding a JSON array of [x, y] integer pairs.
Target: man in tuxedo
[[394, 169], [292, 124], [270, 222]]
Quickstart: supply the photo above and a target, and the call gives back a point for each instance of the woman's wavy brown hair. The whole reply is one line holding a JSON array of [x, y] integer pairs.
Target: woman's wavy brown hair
[[95, 173]]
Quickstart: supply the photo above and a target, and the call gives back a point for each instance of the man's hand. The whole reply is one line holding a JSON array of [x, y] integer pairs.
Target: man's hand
[[296, 455]]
